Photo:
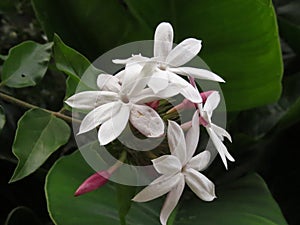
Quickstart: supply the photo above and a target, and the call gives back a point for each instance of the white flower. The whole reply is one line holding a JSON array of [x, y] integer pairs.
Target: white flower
[[169, 61], [117, 102], [178, 168], [215, 132]]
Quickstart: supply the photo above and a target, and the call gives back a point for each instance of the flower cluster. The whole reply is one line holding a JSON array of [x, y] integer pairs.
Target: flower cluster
[[133, 95]]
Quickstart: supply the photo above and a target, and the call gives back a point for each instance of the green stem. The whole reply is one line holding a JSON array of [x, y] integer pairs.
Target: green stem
[[24, 104], [119, 163]]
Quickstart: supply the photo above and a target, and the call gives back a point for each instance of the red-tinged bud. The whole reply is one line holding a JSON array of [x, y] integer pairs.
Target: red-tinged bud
[[93, 182], [204, 95], [187, 125], [154, 105], [186, 104]]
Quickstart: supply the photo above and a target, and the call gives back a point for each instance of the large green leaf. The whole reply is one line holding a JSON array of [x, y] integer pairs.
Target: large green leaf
[[240, 38], [26, 64], [99, 206], [38, 135], [282, 114], [74, 64], [246, 201]]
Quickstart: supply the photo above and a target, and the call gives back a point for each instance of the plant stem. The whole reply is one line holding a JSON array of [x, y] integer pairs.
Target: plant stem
[[24, 104]]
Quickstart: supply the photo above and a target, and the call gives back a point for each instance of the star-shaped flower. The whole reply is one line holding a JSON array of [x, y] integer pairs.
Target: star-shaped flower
[[169, 61], [215, 132], [119, 102], [179, 168]]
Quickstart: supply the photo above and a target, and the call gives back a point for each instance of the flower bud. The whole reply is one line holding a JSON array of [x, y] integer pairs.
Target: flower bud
[[93, 182]]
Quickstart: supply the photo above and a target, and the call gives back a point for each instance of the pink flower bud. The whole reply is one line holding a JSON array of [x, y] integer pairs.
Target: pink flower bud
[[154, 105], [186, 104], [93, 182], [204, 95]]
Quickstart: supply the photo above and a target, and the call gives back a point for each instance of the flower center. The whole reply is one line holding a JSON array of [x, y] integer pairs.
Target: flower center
[[162, 66], [125, 98]]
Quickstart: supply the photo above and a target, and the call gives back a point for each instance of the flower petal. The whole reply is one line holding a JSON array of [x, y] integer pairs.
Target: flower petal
[[158, 81], [171, 201], [200, 185], [191, 94], [163, 40], [167, 164], [157, 188], [113, 127], [200, 162], [212, 102], [98, 116], [197, 73], [184, 52], [87, 100], [184, 88], [221, 148], [221, 132], [130, 77], [176, 141], [147, 121], [192, 137], [143, 78], [107, 82], [133, 59]]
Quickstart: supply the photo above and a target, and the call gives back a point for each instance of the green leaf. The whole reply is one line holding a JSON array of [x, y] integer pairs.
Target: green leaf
[[26, 64], [75, 65], [38, 135], [246, 201], [280, 115], [124, 195], [2, 118], [99, 206], [22, 215], [3, 57], [240, 38]]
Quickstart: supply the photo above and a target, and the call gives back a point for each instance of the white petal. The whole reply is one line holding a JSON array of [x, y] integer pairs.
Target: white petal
[[184, 52], [98, 116], [200, 162], [221, 148], [200, 185], [130, 77], [212, 102], [133, 59], [191, 94], [167, 164], [185, 88], [221, 132], [147, 95], [171, 201], [176, 141], [107, 82], [159, 81], [163, 40], [177, 80], [143, 79], [113, 127], [197, 73], [90, 99], [157, 188], [147, 121], [192, 137]]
